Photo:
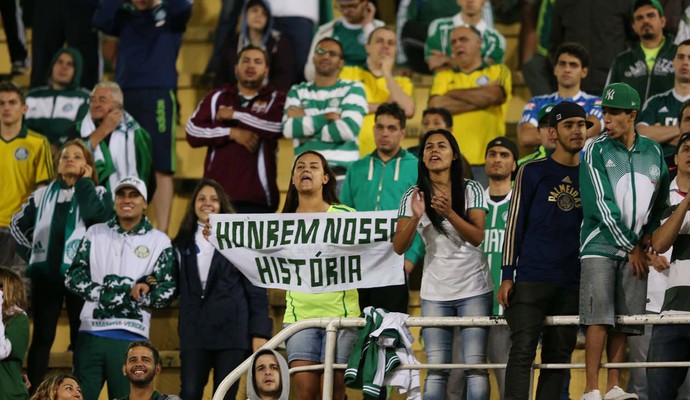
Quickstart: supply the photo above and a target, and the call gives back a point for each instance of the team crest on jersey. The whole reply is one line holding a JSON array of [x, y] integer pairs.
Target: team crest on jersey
[[530, 106], [565, 196], [142, 251], [482, 80], [21, 154], [362, 39], [504, 216], [68, 107], [71, 248], [654, 172], [334, 103], [259, 106]]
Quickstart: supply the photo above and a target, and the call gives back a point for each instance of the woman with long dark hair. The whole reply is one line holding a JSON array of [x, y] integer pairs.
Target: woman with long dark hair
[[14, 335], [448, 211], [223, 317], [48, 229], [313, 190]]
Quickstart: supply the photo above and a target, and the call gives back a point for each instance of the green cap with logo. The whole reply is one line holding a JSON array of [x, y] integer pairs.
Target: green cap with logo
[[544, 113], [654, 3], [620, 95]]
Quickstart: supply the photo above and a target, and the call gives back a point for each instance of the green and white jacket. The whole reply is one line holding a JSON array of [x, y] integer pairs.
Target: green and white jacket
[[624, 193], [109, 262], [438, 38], [127, 151]]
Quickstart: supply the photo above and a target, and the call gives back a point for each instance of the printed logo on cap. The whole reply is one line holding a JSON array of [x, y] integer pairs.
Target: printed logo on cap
[[610, 93]]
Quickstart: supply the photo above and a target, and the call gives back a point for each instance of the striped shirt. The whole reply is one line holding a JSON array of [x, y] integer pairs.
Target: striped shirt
[[336, 140]]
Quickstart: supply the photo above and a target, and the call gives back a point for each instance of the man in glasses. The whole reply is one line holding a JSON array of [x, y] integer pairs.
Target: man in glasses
[[326, 115], [352, 30]]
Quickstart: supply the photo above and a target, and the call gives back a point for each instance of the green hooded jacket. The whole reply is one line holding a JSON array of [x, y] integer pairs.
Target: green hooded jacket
[[53, 111]]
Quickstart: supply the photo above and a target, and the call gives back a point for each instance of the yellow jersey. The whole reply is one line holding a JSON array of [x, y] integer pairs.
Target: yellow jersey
[[345, 303], [24, 162], [376, 92], [475, 129]]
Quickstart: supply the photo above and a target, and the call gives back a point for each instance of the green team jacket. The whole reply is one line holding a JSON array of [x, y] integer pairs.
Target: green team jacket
[[11, 384], [372, 185], [624, 194], [630, 67]]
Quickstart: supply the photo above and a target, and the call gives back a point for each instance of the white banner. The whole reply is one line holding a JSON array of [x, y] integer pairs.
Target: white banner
[[311, 252]]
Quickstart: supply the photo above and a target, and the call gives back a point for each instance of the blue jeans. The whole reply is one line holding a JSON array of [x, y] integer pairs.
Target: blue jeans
[[438, 343], [669, 343]]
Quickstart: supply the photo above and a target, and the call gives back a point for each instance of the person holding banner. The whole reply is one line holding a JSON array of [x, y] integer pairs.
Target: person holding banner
[[449, 213], [313, 190], [48, 229], [223, 317]]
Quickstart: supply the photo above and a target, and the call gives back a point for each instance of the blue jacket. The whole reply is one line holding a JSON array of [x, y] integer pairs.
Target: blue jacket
[[227, 313], [149, 41]]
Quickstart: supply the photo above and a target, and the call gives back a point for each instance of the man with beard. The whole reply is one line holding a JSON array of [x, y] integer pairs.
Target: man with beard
[[380, 85], [648, 65], [541, 268], [142, 365], [240, 125], [659, 117], [326, 115]]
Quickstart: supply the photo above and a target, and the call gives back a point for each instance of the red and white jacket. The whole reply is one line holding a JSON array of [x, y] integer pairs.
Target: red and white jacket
[[246, 177]]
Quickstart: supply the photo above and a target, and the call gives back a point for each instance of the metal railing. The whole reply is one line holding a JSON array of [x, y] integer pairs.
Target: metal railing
[[331, 325]]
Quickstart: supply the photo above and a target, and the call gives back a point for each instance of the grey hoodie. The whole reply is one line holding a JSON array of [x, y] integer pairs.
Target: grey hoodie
[[284, 376]]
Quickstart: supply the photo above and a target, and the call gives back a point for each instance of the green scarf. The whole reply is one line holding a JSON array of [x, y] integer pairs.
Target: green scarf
[[74, 228]]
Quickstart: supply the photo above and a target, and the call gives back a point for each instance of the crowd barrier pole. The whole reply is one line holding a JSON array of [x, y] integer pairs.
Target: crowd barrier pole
[[333, 324]]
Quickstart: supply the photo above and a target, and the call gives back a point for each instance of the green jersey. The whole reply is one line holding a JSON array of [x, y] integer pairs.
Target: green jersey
[[663, 109], [494, 233], [337, 139]]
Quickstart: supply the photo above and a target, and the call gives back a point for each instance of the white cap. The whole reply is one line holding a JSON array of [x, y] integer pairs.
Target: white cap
[[135, 183]]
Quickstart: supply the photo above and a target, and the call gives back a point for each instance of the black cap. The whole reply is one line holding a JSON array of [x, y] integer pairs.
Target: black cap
[[503, 142], [565, 110]]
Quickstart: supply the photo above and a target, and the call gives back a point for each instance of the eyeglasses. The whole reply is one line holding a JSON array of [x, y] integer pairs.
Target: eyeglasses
[[331, 53]]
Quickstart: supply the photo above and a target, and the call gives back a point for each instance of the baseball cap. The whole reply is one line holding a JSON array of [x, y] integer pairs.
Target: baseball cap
[[653, 3], [503, 142], [565, 110], [620, 95], [134, 183], [544, 113]]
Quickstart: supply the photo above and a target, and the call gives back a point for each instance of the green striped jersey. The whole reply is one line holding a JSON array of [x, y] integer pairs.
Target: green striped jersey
[[336, 140]]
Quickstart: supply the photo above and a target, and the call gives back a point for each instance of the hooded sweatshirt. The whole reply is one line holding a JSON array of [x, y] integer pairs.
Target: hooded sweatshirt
[[273, 42], [53, 111], [284, 376]]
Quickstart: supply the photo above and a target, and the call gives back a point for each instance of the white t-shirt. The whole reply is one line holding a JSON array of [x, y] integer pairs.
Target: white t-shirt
[[204, 255], [296, 8], [453, 268]]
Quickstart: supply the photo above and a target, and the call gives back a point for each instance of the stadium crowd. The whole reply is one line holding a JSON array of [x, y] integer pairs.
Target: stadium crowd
[[592, 223]]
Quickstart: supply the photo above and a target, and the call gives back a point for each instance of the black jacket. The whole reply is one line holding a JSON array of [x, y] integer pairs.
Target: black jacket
[[227, 314]]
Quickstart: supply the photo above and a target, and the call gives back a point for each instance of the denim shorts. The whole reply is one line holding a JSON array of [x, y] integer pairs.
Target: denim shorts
[[608, 288], [310, 345]]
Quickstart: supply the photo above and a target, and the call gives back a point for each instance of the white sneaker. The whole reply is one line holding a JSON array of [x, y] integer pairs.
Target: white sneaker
[[616, 393], [593, 395]]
